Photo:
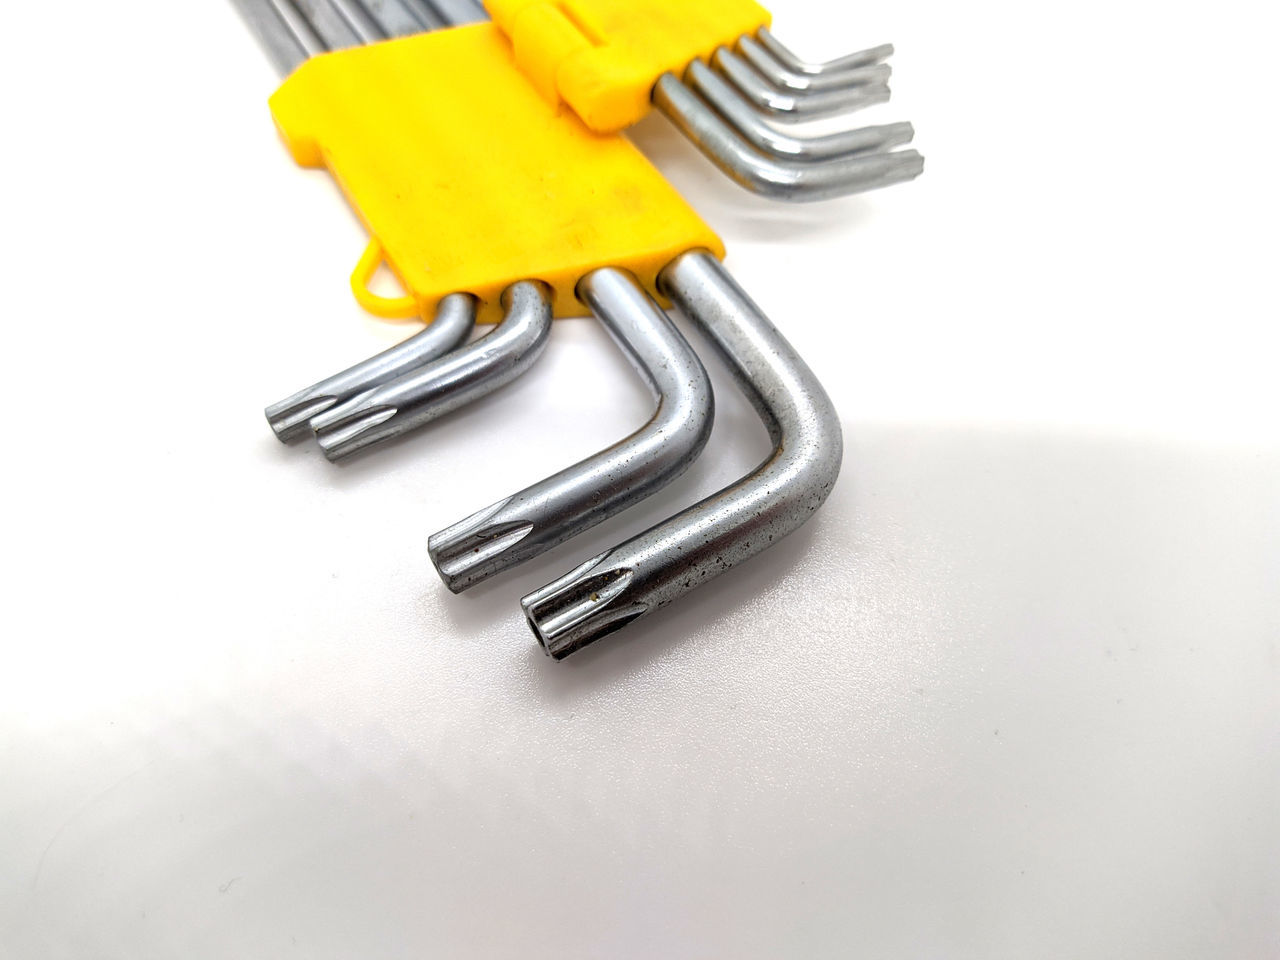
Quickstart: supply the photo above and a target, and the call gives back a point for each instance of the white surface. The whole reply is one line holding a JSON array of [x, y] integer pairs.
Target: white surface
[[1013, 694]]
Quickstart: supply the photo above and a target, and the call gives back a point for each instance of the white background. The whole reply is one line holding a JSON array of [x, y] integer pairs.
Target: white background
[[1014, 693]]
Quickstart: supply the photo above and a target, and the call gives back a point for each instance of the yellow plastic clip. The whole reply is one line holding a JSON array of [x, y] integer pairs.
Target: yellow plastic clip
[[468, 181], [603, 57]]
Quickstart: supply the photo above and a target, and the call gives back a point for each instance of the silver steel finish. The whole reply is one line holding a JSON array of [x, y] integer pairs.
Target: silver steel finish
[[455, 318], [427, 15], [444, 384], [553, 510], [791, 81], [327, 22], [283, 32], [795, 180], [362, 25], [794, 106], [294, 30], [397, 19], [747, 121], [662, 564], [455, 13], [852, 61]]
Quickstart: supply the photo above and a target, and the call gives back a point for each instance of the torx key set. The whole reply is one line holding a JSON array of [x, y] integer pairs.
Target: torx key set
[[414, 107]]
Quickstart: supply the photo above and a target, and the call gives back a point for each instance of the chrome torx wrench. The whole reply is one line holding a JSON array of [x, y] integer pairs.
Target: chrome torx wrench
[[444, 384], [728, 113], [664, 563], [454, 320], [550, 512]]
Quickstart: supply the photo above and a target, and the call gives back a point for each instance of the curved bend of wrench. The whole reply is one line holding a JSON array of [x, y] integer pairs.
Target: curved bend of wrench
[[444, 384], [744, 118], [793, 106], [665, 562], [789, 81], [454, 320], [852, 61], [771, 176], [553, 510]]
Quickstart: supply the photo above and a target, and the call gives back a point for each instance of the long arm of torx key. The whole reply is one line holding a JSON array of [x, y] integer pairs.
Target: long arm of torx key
[[790, 81], [553, 510], [359, 20], [851, 61], [399, 18], [662, 564], [454, 320], [294, 30], [327, 20], [445, 384], [455, 13], [283, 31], [769, 175]]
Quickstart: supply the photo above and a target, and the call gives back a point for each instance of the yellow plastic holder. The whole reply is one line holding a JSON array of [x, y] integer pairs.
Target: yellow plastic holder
[[468, 181], [603, 57]]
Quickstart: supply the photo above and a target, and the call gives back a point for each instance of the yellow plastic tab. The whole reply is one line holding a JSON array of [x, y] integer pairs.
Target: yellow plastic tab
[[469, 181], [602, 57], [392, 308]]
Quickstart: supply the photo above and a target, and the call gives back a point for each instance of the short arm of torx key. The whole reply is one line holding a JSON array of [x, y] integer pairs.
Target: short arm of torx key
[[851, 61], [455, 318], [665, 562], [445, 384], [771, 176], [793, 106], [553, 510], [792, 82], [746, 120]]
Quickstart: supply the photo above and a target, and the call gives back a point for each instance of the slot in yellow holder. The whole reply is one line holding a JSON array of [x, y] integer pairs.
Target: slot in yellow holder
[[603, 57], [468, 181]]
